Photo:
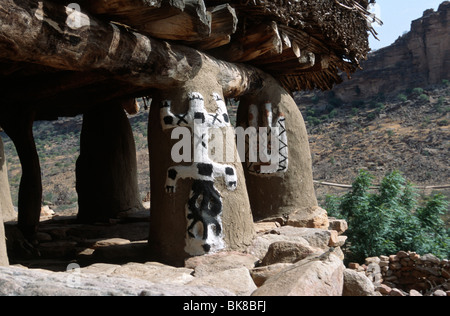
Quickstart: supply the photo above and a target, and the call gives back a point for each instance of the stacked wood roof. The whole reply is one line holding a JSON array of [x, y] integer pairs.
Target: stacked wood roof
[[125, 48], [305, 44]]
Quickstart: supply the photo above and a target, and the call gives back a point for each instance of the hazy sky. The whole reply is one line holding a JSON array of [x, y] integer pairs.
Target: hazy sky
[[397, 16]]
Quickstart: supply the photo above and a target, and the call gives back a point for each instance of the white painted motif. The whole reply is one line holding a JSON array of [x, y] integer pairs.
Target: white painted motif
[[277, 146], [204, 208]]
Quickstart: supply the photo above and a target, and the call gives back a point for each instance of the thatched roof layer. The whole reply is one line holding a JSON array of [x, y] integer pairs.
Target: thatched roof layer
[[257, 31], [337, 29]]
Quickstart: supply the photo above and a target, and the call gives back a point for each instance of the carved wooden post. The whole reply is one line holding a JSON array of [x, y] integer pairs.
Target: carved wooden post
[[201, 206], [106, 169], [4, 187], [288, 188]]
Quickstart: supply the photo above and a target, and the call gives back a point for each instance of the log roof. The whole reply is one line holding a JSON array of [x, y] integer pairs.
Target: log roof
[[124, 48], [304, 44]]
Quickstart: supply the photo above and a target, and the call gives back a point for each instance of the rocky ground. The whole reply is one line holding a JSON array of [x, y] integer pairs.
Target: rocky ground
[[112, 259]]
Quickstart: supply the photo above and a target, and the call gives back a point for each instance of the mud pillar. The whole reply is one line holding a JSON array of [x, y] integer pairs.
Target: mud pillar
[[285, 189], [199, 205], [18, 124], [4, 202], [6, 205], [106, 170]]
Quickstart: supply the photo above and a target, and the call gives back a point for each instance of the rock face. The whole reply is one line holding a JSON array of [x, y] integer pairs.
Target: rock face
[[417, 59]]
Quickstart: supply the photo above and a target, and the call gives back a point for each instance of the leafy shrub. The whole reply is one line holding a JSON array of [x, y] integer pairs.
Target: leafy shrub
[[417, 91], [391, 219], [424, 97], [401, 97]]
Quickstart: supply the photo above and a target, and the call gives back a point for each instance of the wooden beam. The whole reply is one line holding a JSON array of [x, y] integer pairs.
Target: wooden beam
[[41, 33], [223, 24], [289, 53], [185, 20], [293, 65], [254, 42], [193, 24], [137, 12]]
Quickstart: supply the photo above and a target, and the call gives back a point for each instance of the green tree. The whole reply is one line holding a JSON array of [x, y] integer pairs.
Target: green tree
[[391, 219]]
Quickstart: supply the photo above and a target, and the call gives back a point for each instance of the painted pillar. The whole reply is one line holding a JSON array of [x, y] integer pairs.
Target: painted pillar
[[286, 187], [106, 170], [199, 205]]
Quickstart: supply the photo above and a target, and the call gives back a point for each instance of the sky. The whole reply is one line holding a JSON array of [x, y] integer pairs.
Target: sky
[[397, 16]]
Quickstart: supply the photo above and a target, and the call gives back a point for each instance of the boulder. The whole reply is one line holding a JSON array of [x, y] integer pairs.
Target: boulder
[[210, 264], [313, 276], [237, 281], [286, 252], [314, 217], [357, 284], [309, 237], [261, 274], [339, 225]]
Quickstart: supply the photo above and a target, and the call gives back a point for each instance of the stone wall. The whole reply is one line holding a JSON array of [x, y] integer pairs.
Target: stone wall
[[407, 273]]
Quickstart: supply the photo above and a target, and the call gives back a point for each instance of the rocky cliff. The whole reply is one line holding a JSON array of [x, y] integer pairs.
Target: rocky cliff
[[419, 58]]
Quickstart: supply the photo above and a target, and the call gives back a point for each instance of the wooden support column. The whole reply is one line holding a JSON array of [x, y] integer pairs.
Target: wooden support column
[[18, 124], [106, 171]]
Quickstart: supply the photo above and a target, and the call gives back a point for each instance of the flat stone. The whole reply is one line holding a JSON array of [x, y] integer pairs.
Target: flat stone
[[261, 274], [263, 227], [287, 252], [221, 261], [97, 243], [27, 282], [308, 277], [237, 281], [155, 272], [134, 251]]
